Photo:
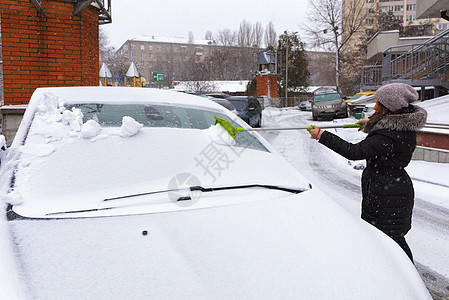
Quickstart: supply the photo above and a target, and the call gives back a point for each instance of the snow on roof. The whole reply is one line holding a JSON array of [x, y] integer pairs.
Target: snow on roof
[[220, 86], [437, 109], [170, 40]]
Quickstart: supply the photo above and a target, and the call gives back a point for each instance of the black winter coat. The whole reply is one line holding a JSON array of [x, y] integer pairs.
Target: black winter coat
[[387, 190]]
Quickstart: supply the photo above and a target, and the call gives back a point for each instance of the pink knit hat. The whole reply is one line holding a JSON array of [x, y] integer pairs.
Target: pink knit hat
[[395, 96]]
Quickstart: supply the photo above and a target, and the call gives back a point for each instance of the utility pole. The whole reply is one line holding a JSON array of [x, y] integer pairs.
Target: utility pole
[[286, 63]]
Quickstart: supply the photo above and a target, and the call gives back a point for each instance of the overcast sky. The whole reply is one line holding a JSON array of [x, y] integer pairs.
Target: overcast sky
[[175, 18]]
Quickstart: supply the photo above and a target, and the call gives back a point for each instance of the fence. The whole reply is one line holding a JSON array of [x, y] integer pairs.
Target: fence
[[282, 102]]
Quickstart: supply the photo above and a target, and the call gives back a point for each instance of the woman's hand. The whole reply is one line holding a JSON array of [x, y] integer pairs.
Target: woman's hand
[[362, 122], [314, 132]]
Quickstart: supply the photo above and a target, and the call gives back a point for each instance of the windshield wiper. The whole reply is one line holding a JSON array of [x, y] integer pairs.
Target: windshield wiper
[[182, 198], [213, 189]]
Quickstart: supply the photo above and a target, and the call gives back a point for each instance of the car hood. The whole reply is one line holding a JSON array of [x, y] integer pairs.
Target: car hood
[[333, 102], [298, 246], [73, 174]]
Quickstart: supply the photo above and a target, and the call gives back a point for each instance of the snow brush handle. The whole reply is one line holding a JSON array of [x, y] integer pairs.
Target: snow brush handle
[[339, 126]]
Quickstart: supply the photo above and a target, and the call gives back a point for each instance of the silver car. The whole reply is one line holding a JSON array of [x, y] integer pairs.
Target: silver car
[[328, 104]]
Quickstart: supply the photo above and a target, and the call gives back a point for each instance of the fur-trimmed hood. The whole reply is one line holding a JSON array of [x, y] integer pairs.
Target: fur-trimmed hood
[[411, 121]]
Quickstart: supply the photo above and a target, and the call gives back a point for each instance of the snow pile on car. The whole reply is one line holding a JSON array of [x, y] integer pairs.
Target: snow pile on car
[[219, 135]]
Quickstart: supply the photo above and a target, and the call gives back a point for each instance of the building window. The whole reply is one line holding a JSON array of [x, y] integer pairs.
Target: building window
[[411, 6], [199, 51], [158, 48], [370, 10], [133, 55], [150, 64], [175, 49], [398, 8], [142, 55], [369, 1], [133, 47], [142, 47], [150, 48], [151, 55], [125, 47], [369, 21], [183, 48]]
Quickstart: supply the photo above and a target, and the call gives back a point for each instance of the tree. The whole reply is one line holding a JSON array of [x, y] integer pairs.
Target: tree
[[244, 34], [270, 36], [296, 64], [191, 38], [326, 28], [117, 64], [208, 35], [388, 21], [105, 51], [257, 35], [226, 37]]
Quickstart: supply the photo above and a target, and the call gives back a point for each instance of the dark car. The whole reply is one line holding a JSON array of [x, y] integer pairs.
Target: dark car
[[219, 95], [249, 109], [226, 104]]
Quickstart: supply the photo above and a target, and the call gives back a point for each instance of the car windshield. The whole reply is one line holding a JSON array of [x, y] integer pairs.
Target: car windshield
[[239, 104], [357, 96], [111, 115], [326, 97]]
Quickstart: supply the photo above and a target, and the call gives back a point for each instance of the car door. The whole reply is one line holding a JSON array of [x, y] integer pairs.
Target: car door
[[253, 112]]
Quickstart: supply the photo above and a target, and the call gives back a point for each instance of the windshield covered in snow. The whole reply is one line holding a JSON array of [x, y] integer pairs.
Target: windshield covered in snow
[[111, 115]]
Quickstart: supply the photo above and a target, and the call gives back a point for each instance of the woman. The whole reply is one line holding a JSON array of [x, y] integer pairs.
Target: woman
[[387, 190]]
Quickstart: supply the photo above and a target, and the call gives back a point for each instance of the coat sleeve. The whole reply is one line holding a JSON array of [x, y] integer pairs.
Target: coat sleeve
[[375, 145]]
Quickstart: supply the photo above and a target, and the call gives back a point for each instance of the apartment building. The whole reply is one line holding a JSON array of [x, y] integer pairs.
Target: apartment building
[[164, 55]]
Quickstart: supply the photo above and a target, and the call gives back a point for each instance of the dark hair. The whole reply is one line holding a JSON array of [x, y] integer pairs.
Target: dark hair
[[379, 115]]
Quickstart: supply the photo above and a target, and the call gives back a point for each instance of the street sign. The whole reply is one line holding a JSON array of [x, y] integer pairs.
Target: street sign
[[158, 77]]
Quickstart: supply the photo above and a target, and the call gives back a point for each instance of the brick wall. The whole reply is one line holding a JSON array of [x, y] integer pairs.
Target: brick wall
[[52, 48], [262, 82]]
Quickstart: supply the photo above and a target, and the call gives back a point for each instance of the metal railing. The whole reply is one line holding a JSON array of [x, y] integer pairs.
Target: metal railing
[[425, 64], [421, 62], [371, 77]]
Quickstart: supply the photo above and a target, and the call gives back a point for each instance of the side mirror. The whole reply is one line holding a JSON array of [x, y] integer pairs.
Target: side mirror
[[251, 108]]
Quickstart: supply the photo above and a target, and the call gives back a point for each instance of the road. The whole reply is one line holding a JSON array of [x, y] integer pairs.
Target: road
[[340, 179]]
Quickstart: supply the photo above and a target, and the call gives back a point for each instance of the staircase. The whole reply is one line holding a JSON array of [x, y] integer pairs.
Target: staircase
[[425, 64]]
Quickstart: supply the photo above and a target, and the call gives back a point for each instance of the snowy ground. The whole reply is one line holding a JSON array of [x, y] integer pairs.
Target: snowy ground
[[340, 179]]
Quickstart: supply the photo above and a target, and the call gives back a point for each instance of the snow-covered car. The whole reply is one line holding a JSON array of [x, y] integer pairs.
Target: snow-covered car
[[368, 110], [305, 105], [133, 193]]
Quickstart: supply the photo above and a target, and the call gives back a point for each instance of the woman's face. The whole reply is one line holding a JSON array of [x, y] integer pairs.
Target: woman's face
[[376, 106]]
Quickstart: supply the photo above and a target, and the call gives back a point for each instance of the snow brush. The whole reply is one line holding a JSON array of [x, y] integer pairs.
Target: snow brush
[[234, 130]]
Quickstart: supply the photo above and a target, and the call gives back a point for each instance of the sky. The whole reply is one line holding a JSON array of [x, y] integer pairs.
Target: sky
[[132, 18]]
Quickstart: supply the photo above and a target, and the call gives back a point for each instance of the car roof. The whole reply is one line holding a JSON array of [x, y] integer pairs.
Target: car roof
[[111, 95]]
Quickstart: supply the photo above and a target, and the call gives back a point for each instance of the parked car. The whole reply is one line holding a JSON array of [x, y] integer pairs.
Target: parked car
[[219, 95], [305, 105], [327, 103], [249, 109], [360, 96], [226, 104], [368, 110], [131, 193]]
